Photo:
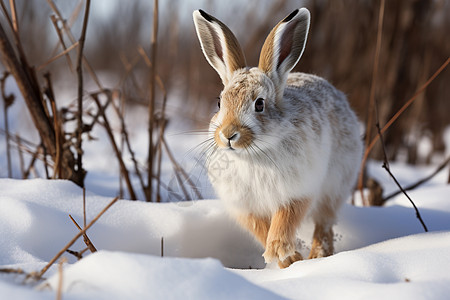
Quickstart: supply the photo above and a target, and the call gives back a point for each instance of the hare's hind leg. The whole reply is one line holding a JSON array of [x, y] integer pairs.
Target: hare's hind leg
[[324, 217], [280, 243]]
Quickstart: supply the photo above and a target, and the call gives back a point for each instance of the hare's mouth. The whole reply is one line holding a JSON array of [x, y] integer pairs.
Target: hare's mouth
[[233, 137]]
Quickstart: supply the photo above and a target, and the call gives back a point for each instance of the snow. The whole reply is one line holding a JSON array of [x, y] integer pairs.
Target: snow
[[381, 251]]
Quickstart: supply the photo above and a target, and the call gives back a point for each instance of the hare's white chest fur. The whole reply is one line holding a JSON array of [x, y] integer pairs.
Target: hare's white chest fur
[[311, 152]]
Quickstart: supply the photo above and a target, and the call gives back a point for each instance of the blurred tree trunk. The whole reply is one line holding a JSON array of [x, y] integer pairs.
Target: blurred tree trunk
[[28, 85]]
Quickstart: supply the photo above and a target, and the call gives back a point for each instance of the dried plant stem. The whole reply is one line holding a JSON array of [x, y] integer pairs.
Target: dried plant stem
[[21, 159], [59, 138], [401, 110], [128, 144], [72, 20], [60, 278], [7, 102], [123, 168], [151, 105], [12, 5], [79, 130], [79, 234], [179, 169], [73, 41], [370, 112], [65, 51], [387, 168], [86, 239], [421, 181]]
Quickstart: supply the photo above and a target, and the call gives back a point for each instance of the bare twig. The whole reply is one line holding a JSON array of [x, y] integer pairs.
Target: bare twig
[[12, 271], [79, 129], [86, 239], [69, 24], [21, 160], [123, 168], [370, 113], [73, 41], [151, 105], [128, 144], [79, 234], [8, 100], [59, 137], [65, 52], [420, 182], [402, 109], [178, 168], [60, 278], [84, 207], [387, 168], [12, 5]]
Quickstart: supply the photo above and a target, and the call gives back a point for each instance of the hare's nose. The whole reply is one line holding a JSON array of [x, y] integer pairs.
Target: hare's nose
[[229, 138]]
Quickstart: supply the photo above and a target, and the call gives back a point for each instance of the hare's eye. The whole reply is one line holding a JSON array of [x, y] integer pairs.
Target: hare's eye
[[259, 105]]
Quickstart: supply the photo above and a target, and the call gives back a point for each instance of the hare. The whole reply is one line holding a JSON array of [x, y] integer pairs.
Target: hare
[[291, 140]]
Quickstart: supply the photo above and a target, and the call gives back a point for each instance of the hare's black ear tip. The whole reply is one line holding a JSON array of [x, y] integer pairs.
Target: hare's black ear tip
[[291, 16], [302, 11], [205, 15]]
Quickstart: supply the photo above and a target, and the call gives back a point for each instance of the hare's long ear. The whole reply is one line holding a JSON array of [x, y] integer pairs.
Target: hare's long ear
[[284, 46], [219, 45]]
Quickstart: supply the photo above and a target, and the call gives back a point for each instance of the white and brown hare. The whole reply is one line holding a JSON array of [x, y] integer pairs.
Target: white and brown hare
[[292, 139]]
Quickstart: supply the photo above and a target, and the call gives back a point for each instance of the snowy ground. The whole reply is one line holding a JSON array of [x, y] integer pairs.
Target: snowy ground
[[381, 252]]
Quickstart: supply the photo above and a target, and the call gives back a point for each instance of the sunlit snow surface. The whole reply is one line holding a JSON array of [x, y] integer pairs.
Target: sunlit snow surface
[[381, 252]]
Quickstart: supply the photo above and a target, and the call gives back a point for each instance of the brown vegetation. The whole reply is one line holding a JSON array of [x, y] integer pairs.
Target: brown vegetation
[[44, 37]]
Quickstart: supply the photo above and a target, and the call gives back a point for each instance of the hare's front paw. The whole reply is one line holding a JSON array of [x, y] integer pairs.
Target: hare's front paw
[[278, 249], [290, 260]]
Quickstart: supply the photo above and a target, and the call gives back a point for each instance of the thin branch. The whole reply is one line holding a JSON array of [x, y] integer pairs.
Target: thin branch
[[8, 100], [79, 129], [178, 168], [12, 5], [372, 91], [128, 144], [123, 168], [387, 168], [402, 109], [151, 105], [86, 239], [60, 278], [421, 181], [79, 234], [73, 41], [69, 24]]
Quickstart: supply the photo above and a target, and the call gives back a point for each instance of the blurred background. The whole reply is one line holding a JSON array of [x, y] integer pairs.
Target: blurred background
[[341, 48]]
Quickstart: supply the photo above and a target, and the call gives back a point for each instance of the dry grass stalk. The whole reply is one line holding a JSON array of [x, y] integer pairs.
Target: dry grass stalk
[[86, 239], [72, 20], [8, 100], [72, 39], [128, 144], [66, 49], [79, 130], [60, 278], [419, 182], [151, 105], [12, 5], [21, 158], [180, 170], [402, 109], [371, 106], [388, 170], [123, 168], [74, 239]]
